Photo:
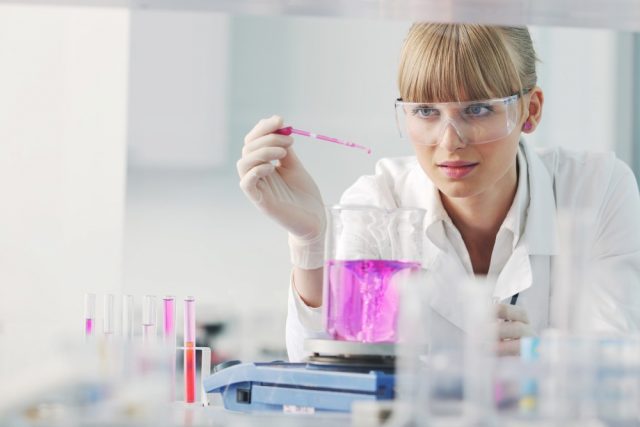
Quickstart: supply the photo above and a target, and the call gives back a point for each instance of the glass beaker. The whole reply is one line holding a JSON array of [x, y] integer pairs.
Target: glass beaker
[[370, 252]]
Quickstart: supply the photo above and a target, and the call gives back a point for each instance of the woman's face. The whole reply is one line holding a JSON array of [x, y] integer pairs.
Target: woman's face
[[459, 170]]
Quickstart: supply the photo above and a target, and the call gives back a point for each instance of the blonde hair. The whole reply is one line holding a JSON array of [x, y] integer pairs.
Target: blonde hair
[[462, 62]]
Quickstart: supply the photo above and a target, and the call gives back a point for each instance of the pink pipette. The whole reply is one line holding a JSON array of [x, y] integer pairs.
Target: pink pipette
[[289, 130]]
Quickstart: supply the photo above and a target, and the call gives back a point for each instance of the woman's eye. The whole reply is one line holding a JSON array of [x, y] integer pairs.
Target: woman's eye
[[478, 110], [425, 112]]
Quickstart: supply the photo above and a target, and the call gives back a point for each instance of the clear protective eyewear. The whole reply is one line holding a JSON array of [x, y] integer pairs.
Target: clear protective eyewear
[[475, 122]]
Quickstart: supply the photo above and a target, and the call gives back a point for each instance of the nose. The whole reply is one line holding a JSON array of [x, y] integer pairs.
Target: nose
[[450, 139]]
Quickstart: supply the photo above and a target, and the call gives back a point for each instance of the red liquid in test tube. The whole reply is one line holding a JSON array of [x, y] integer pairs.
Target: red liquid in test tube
[[190, 353]]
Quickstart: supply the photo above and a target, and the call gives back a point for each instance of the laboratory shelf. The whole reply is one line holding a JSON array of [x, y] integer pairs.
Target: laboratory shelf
[[611, 14]]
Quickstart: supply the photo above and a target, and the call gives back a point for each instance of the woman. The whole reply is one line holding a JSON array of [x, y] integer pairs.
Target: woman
[[468, 92]]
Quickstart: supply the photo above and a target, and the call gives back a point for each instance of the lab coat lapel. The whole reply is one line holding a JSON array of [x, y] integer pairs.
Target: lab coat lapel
[[535, 299], [446, 278], [528, 271], [541, 226], [444, 272], [539, 233], [516, 275], [529, 276]]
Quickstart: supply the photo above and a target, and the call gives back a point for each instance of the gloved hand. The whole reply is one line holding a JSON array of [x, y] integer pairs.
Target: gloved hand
[[273, 178], [513, 324]]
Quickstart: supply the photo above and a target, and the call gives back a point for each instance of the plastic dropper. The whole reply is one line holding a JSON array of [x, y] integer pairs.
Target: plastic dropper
[[289, 130]]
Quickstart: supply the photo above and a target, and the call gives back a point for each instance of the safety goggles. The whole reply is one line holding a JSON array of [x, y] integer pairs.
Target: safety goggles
[[475, 122]]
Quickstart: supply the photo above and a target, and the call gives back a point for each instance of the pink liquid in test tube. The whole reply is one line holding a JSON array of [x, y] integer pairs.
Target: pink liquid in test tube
[[169, 338], [88, 326], [169, 320], [89, 314], [189, 344]]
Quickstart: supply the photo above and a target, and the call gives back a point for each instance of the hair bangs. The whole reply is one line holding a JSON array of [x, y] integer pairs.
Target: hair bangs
[[455, 63]]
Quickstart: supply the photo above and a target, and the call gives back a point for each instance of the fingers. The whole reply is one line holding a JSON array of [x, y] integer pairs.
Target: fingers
[[269, 140], [262, 146], [513, 324], [249, 182], [258, 157], [508, 348], [264, 127], [513, 330], [511, 312]]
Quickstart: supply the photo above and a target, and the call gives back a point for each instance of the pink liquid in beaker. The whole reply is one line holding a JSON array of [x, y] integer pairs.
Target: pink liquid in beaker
[[362, 298]]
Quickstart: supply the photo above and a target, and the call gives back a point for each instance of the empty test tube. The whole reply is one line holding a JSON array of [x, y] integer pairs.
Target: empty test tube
[[148, 318], [108, 320], [128, 310], [89, 314]]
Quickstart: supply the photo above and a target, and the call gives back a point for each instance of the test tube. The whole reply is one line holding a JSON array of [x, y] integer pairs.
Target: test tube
[[169, 320], [169, 337], [148, 317], [189, 344], [108, 315], [89, 314], [127, 317]]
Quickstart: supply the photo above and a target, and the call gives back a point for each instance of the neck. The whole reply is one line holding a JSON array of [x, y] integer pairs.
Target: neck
[[478, 218]]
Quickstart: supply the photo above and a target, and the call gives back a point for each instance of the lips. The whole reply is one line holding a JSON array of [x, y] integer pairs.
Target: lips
[[457, 168]]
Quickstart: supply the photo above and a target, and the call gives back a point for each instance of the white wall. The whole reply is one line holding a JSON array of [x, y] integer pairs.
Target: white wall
[[585, 74], [332, 76], [178, 77], [63, 80]]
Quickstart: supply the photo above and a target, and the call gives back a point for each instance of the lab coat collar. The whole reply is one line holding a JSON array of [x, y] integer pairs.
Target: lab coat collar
[[541, 226], [517, 215], [539, 233], [435, 215]]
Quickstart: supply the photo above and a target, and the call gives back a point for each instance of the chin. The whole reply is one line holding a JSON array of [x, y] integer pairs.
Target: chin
[[458, 189]]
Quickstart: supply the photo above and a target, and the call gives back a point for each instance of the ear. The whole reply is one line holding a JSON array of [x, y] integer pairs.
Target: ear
[[534, 100]]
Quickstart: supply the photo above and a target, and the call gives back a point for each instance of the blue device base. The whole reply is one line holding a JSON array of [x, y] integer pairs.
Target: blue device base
[[254, 387]]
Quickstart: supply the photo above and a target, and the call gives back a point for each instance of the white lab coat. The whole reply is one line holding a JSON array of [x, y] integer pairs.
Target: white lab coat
[[596, 196]]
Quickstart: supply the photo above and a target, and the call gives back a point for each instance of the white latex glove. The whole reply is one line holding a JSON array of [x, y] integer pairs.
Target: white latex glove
[[273, 178], [513, 324]]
